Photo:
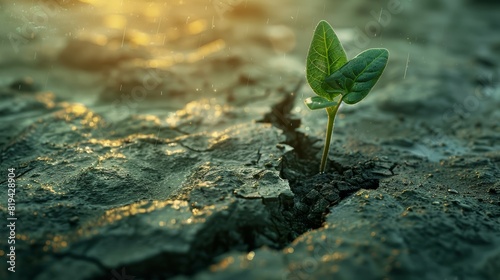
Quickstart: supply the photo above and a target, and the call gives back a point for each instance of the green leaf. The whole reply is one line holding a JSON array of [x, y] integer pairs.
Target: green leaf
[[326, 55], [357, 77], [318, 102]]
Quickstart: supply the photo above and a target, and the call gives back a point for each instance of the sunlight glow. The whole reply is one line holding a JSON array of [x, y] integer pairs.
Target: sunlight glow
[[115, 21], [197, 26]]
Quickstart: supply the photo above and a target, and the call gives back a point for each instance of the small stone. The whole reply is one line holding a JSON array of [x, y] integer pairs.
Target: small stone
[[288, 215], [313, 218], [302, 207], [344, 187], [74, 220], [320, 206], [366, 175], [462, 205], [436, 202], [453, 191], [312, 195], [360, 179], [25, 84], [330, 194], [348, 174]]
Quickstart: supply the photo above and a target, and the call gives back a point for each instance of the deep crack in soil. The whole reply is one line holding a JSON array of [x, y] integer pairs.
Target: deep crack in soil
[[314, 193]]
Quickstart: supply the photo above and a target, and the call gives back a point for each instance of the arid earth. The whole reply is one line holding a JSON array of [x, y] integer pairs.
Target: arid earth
[[169, 140]]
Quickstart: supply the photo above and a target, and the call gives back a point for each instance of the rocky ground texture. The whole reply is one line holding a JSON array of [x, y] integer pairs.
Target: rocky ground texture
[[173, 142]]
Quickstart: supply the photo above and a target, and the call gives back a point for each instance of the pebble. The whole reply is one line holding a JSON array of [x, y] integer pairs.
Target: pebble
[[74, 220], [25, 84], [461, 204], [313, 195], [348, 174]]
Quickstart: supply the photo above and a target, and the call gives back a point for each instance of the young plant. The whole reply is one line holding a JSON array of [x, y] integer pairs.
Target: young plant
[[335, 79]]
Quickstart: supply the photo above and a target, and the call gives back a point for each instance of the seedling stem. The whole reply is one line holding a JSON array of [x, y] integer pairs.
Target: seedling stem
[[332, 112]]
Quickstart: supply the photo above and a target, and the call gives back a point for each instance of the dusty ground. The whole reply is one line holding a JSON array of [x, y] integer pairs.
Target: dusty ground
[[167, 139]]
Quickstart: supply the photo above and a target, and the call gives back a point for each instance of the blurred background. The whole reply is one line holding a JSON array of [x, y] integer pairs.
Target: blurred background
[[108, 46], [104, 103], [126, 58]]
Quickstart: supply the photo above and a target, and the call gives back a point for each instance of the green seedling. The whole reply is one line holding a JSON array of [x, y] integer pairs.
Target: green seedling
[[335, 79]]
